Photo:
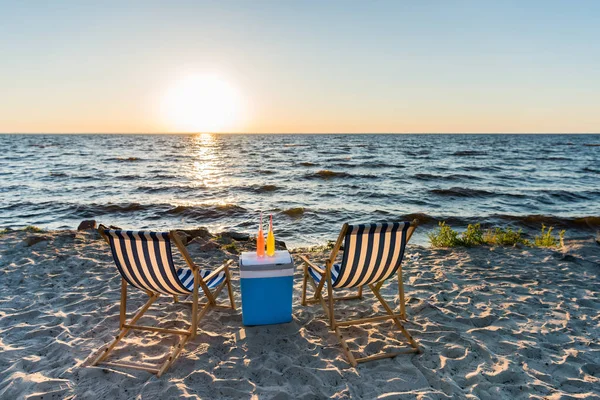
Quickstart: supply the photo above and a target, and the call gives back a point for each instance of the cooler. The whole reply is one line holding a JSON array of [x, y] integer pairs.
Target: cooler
[[266, 284]]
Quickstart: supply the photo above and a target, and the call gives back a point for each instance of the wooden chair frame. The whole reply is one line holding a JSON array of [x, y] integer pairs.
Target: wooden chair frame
[[328, 302], [186, 335]]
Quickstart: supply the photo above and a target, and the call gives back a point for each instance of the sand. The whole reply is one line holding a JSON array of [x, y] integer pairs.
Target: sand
[[493, 323]]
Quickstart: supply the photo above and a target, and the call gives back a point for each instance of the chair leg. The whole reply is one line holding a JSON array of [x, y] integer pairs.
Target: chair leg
[[345, 347], [208, 306], [354, 361], [229, 289], [330, 295], [174, 354], [396, 320], [360, 294], [175, 299], [329, 313], [125, 330], [123, 311], [401, 294], [194, 327], [304, 281]]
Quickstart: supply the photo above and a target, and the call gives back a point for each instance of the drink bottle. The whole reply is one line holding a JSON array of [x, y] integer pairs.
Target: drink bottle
[[271, 239], [260, 239]]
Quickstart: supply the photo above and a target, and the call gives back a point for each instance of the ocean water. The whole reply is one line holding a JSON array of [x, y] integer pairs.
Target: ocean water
[[311, 184]]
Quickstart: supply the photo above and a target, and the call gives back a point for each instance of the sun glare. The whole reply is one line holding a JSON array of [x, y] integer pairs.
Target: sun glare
[[201, 103]]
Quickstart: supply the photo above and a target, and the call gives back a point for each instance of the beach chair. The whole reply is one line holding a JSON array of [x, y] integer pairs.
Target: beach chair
[[145, 261], [372, 253]]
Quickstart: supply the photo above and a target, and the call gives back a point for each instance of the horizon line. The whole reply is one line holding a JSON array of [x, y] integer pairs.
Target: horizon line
[[300, 133]]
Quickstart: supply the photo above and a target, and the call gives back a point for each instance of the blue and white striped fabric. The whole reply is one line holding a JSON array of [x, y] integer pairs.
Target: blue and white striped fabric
[[335, 271], [187, 278], [372, 253], [145, 260]]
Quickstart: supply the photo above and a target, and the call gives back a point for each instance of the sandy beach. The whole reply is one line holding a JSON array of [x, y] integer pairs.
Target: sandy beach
[[493, 323]]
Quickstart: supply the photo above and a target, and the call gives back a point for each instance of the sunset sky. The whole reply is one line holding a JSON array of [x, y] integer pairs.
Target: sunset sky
[[304, 66]]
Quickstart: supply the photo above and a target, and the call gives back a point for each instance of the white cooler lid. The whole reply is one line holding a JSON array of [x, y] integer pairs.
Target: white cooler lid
[[250, 261]]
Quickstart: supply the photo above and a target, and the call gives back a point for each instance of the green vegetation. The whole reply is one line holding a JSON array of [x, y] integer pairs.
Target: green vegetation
[[232, 248], [547, 239], [505, 237], [33, 228], [445, 236], [473, 236]]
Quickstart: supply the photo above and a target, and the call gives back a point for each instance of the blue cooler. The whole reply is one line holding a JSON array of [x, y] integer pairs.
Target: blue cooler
[[266, 284]]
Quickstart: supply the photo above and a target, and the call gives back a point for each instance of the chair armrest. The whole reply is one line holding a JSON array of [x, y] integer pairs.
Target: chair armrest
[[183, 250], [218, 270], [100, 230], [311, 264]]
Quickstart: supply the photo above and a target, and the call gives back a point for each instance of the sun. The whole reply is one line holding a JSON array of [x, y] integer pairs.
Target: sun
[[201, 103]]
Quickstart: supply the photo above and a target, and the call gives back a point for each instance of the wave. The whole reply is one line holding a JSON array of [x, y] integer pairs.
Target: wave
[[208, 211], [592, 144], [42, 146], [592, 170], [327, 174], [264, 188], [570, 196], [123, 159], [423, 152], [141, 211], [468, 153], [462, 192], [481, 168], [95, 210], [169, 189], [294, 212], [451, 177], [556, 159], [128, 177], [155, 176], [592, 222], [375, 164], [345, 165]]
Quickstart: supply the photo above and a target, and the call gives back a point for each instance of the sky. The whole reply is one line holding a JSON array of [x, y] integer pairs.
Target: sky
[[300, 66]]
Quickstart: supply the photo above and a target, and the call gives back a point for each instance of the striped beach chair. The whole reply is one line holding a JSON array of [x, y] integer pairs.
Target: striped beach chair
[[372, 253], [145, 261]]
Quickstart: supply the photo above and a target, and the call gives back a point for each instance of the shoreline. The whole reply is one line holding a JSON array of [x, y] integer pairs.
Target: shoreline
[[577, 228], [493, 322]]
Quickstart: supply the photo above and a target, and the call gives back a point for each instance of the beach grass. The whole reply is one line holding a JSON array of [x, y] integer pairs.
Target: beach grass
[[547, 239], [474, 235], [505, 237], [444, 236]]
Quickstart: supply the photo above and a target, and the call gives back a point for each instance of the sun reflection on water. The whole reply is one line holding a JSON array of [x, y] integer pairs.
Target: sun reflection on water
[[207, 170]]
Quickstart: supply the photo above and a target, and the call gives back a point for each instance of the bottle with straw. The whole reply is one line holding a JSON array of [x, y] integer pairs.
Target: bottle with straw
[[260, 239], [271, 239]]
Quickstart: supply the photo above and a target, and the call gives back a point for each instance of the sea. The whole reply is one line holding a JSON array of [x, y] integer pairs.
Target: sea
[[310, 184]]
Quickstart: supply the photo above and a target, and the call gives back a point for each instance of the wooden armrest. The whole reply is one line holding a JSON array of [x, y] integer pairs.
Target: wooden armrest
[[311, 264], [218, 270], [100, 230]]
